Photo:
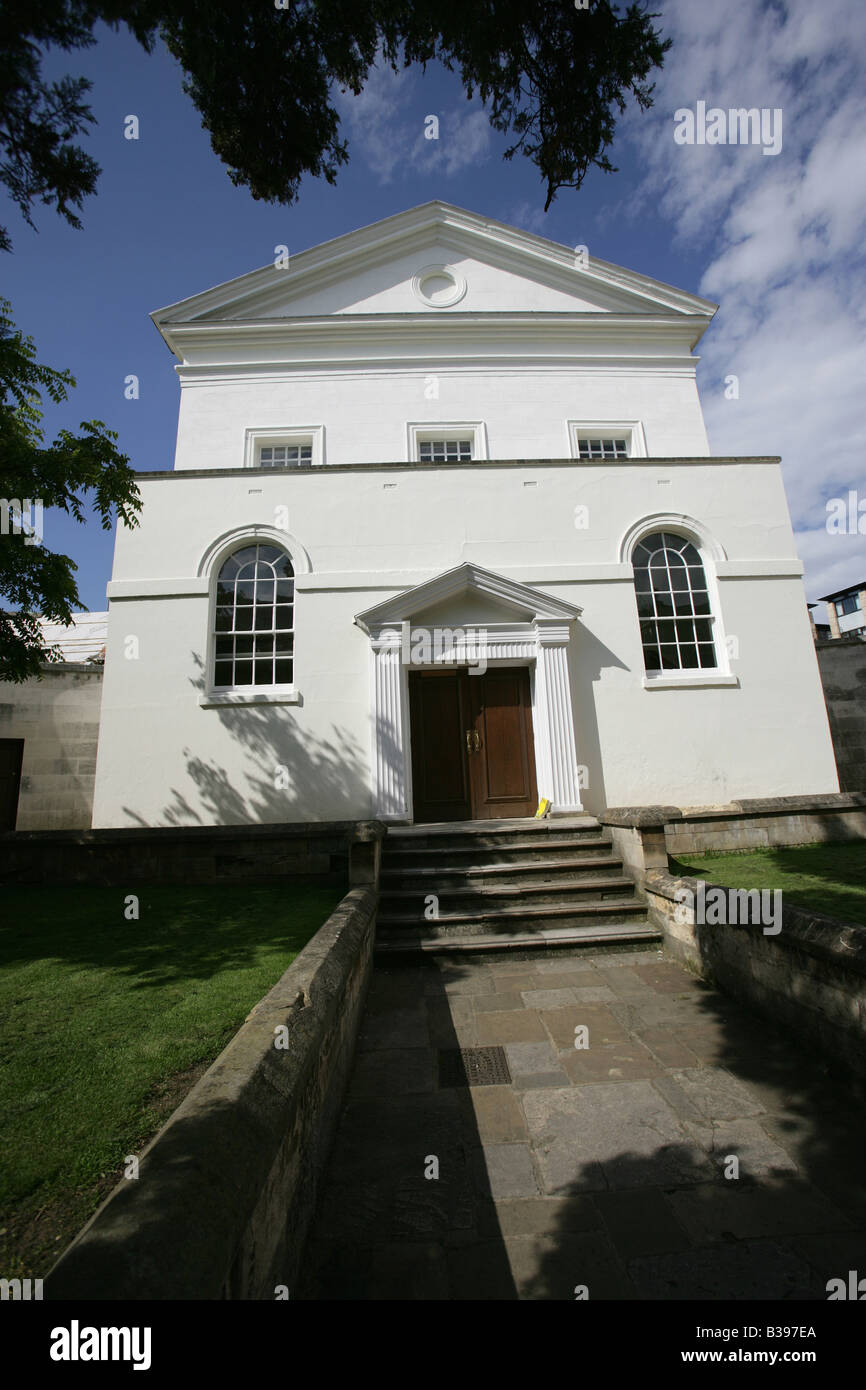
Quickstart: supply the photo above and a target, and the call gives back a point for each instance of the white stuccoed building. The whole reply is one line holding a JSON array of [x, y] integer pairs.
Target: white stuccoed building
[[444, 536]]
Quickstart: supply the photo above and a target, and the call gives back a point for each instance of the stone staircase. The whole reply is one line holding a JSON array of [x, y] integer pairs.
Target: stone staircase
[[505, 884]]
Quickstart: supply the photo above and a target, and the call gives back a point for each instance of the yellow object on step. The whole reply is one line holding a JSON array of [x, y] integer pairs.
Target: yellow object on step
[[543, 808]]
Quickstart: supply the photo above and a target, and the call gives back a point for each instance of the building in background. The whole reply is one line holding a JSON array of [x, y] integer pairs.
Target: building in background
[[846, 611], [49, 728], [820, 631]]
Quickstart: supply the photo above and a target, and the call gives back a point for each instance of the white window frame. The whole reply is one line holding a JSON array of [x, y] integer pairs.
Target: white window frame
[[690, 676], [631, 430], [418, 433], [255, 439], [214, 696]]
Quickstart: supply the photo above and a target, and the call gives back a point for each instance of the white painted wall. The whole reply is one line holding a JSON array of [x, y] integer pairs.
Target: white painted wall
[[370, 533], [365, 413]]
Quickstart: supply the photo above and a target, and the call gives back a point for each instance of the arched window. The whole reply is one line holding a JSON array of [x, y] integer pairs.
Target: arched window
[[673, 604], [254, 619]]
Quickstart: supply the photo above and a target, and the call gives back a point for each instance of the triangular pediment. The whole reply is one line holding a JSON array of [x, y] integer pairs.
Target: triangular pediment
[[389, 268], [486, 597]]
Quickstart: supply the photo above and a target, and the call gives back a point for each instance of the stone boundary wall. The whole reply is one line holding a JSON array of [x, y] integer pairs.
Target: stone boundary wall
[[755, 824], [842, 663], [811, 976], [57, 716], [335, 852], [644, 836], [227, 1189]]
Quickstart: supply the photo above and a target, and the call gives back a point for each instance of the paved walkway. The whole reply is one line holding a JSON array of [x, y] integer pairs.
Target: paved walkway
[[602, 1167]]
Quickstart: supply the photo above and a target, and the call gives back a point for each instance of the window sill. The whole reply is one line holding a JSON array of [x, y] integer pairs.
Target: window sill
[[688, 682], [220, 698]]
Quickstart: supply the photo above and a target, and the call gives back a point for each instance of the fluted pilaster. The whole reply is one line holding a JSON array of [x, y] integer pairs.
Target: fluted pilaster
[[390, 741], [558, 776]]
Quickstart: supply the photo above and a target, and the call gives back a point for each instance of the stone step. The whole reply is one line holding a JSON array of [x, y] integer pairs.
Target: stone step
[[475, 852], [506, 885], [482, 897], [414, 943], [568, 868], [518, 825], [613, 910]]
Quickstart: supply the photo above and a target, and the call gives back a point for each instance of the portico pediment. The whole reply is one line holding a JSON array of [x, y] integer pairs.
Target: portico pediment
[[480, 594]]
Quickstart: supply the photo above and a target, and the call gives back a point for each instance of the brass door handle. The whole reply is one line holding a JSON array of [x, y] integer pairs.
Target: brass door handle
[[477, 740], [468, 740]]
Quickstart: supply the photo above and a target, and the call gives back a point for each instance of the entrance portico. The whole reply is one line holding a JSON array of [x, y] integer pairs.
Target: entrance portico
[[472, 619]]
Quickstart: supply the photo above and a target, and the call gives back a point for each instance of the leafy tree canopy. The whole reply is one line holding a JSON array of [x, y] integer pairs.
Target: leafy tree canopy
[[263, 76], [62, 474]]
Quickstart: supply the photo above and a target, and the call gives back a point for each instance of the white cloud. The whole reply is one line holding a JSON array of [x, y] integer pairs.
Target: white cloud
[[784, 237], [464, 138], [387, 128], [531, 217], [376, 119]]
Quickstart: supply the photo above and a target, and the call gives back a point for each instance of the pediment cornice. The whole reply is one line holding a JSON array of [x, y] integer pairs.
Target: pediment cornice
[[465, 579], [268, 292]]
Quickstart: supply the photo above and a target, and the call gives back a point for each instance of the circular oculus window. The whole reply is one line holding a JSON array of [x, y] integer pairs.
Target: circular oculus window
[[438, 286]]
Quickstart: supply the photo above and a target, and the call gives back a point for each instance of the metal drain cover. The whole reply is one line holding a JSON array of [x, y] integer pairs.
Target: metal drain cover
[[473, 1066]]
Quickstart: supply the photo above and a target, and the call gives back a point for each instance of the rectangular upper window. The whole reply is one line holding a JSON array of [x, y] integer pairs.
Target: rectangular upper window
[[285, 455], [589, 448], [445, 450], [446, 441], [606, 439], [850, 604], [295, 446]]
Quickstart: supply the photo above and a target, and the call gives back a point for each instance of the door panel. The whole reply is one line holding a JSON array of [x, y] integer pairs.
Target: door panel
[[472, 747], [503, 768], [439, 772], [11, 756]]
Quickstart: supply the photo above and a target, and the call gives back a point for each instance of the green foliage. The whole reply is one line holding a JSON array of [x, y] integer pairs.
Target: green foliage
[[66, 474], [263, 78]]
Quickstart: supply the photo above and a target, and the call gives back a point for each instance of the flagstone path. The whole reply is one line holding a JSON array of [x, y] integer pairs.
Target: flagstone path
[[602, 1168]]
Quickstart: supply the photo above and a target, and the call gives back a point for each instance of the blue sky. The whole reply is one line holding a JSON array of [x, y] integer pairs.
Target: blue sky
[[778, 241]]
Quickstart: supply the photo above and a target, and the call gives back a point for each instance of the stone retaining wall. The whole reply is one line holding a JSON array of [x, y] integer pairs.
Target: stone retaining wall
[[755, 824], [810, 976], [337, 852], [227, 1189], [644, 836]]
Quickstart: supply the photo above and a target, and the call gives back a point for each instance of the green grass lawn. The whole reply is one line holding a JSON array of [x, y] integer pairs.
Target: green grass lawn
[[105, 1023], [823, 878]]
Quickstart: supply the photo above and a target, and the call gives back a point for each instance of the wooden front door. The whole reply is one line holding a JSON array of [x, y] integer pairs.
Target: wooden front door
[[472, 747], [11, 756]]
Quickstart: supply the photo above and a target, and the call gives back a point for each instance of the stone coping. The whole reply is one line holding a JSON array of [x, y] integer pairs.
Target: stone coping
[[81, 668], [829, 939], [646, 817], [322, 469], [254, 1129], [640, 817], [358, 830]]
